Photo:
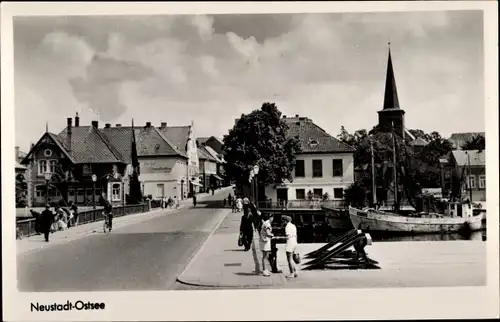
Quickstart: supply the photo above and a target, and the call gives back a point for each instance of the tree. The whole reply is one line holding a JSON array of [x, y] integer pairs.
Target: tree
[[478, 142], [260, 138]]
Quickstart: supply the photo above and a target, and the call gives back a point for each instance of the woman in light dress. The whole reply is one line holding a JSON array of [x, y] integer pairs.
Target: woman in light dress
[[266, 234]]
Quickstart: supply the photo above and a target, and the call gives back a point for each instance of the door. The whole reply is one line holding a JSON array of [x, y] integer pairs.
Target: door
[[282, 196]]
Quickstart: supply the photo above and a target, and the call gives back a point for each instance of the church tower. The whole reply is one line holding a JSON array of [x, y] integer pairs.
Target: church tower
[[391, 114]]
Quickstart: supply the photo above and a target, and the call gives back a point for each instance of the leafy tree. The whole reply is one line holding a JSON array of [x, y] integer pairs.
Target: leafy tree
[[478, 142], [260, 138]]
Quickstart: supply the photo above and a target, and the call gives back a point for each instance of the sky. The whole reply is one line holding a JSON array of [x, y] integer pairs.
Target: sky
[[209, 69]]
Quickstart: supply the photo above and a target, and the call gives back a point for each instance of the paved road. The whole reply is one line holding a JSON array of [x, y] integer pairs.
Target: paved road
[[148, 255]]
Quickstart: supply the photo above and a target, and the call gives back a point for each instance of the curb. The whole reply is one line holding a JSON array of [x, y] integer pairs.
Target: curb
[[193, 258]]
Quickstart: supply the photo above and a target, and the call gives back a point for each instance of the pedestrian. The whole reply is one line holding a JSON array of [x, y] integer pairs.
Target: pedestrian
[[246, 204], [194, 200], [36, 215], [46, 221], [291, 245], [239, 204], [170, 202], [265, 241], [74, 210], [230, 200], [213, 191], [69, 216], [246, 231], [108, 210]]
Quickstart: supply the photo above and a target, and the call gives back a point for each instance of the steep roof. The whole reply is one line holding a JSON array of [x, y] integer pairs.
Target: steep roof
[[391, 100], [203, 154], [476, 158], [88, 145], [178, 135], [314, 139], [214, 154]]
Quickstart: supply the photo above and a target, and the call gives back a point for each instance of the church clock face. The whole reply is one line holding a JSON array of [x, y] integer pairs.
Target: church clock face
[[47, 152]]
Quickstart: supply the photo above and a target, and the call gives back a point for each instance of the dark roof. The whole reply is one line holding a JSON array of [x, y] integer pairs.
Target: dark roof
[[314, 139], [88, 145], [151, 142], [203, 154], [177, 135], [203, 140], [419, 142], [391, 101], [121, 138]]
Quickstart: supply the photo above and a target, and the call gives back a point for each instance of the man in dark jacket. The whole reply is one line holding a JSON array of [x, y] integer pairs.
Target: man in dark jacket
[[36, 215], [46, 221], [246, 230], [108, 210]]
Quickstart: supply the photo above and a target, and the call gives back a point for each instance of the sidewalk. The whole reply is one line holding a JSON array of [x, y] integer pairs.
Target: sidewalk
[[37, 242], [221, 263]]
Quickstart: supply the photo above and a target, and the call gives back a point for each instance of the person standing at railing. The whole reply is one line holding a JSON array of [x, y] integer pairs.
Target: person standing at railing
[[46, 221], [108, 210], [74, 209]]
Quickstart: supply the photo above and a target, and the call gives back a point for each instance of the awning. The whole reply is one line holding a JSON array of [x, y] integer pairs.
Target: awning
[[217, 177], [194, 183]]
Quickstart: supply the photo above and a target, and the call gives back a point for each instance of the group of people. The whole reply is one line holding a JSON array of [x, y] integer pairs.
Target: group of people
[[252, 220], [170, 202], [238, 203], [63, 218]]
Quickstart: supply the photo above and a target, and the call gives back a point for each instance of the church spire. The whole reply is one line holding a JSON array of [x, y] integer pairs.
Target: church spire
[[391, 100]]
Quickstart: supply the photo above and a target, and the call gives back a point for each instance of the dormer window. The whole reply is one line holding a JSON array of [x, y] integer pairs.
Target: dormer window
[[313, 142]]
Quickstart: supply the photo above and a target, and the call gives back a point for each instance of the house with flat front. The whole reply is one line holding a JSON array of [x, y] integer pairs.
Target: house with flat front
[[324, 168], [470, 169], [214, 146]]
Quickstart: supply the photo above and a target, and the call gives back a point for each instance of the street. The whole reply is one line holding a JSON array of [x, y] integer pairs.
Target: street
[[148, 255]]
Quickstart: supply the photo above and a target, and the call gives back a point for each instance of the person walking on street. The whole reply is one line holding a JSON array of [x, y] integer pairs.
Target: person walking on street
[[230, 200], [246, 205], [46, 221], [108, 210], [194, 200], [265, 241]]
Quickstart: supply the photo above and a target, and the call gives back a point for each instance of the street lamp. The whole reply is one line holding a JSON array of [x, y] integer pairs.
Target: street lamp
[[94, 179], [256, 172], [250, 180], [47, 176]]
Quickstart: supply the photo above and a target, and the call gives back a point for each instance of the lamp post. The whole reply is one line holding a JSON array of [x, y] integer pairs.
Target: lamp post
[[94, 179], [47, 175], [250, 180], [256, 172]]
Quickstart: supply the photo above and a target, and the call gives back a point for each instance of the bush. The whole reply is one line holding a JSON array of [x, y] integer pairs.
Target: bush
[[326, 196]]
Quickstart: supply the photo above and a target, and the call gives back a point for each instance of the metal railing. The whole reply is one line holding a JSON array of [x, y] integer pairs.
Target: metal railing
[[303, 204], [26, 227]]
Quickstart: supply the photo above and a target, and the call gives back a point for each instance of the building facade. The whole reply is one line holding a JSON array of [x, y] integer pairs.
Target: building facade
[[208, 170], [324, 168], [470, 168]]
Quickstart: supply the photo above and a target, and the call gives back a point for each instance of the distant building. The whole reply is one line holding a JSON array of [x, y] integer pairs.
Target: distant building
[[208, 169], [459, 139], [325, 164], [213, 146], [465, 171], [166, 161], [214, 142]]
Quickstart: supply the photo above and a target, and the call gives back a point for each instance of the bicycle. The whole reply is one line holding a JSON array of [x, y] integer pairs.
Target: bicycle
[[105, 225]]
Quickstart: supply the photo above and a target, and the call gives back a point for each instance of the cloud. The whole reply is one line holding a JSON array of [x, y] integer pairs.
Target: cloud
[[211, 69]]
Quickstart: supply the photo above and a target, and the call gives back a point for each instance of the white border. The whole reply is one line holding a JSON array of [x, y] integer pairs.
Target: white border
[[414, 303]]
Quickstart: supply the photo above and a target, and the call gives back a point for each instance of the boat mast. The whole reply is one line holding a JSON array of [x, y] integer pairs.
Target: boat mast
[[374, 187], [469, 176], [394, 169]]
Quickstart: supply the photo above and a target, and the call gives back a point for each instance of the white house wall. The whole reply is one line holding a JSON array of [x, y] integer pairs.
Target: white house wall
[[166, 171]]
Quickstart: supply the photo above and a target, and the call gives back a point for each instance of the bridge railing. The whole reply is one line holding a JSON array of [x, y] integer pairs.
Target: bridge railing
[[26, 227], [303, 204]]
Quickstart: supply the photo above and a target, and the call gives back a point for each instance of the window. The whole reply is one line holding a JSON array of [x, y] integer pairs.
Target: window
[[299, 169], [40, 191], [338, 193], [318, 193], [300, 193], [42, 166], [116, 191], [471, 181], [47, 153], [71, 193], [482, 181], [52, 166], [317, 168], [338, 170], [87, 169]]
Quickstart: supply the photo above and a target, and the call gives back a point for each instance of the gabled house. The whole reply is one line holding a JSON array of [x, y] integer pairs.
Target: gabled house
[[325, 165], [214, 142], [208, 169], [80, 153], [213, 146]]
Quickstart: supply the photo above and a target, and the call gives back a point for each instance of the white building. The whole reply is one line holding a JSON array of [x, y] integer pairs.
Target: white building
[[325, 165]]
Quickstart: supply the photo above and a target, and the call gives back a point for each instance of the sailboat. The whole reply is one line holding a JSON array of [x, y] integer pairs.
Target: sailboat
[[458, 216]]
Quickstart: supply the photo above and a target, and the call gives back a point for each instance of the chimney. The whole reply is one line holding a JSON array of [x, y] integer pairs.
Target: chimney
[[284, 116], [17, 153], [95, 124], [148, 124], [118, 125], [32, 146], [107, 125], [77, 120], [296, 115], [70, 132], [163, 125]]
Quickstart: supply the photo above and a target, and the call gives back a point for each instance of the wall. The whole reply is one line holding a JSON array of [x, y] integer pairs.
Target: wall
[[327, 182], [169, 171], [478, 193]]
